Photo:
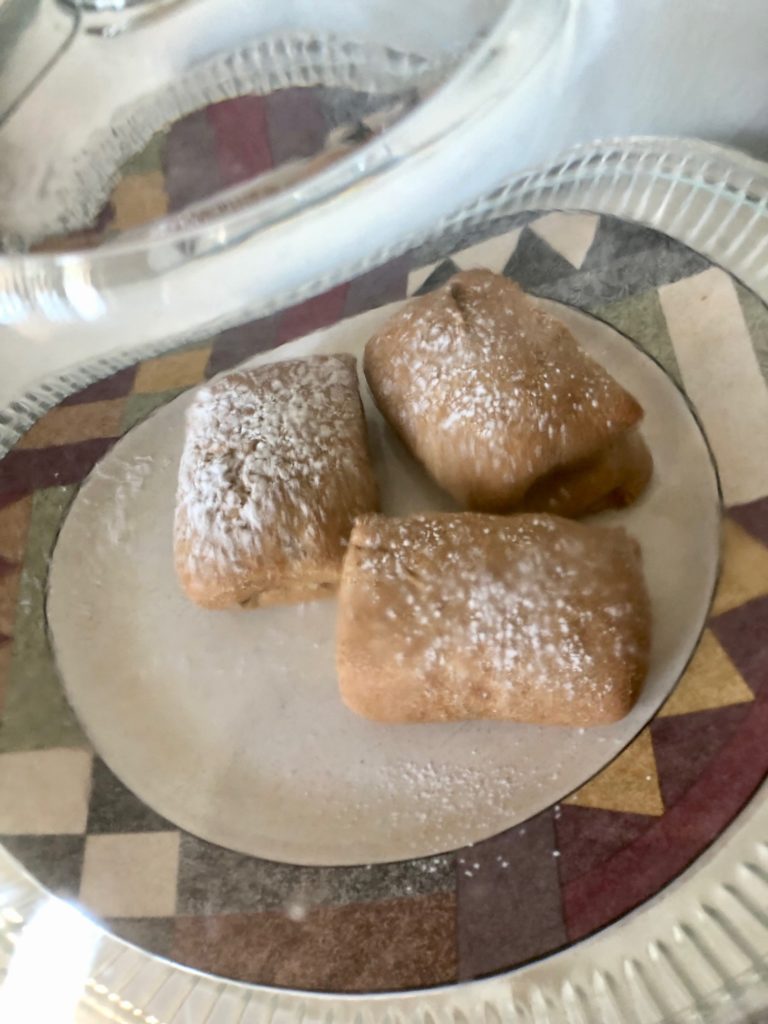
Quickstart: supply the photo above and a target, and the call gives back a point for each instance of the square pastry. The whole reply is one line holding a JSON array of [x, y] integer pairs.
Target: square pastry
[[502, 406], [528, 618], [275, 469]]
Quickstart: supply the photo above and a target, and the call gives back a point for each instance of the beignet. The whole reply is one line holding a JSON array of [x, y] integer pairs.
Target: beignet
[[274, 471], [492, 396], [528, 618]]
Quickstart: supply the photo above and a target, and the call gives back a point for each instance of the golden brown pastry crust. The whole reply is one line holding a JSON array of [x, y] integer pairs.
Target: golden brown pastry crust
[[274, 470], [491, 394], [614, 478], [528, 618]]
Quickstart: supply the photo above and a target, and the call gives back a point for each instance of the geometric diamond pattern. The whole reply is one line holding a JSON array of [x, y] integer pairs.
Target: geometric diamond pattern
[[14, 525], [654, 808], [55, 860], [190, 161], [115, 386], [712, 699], [37, 714]]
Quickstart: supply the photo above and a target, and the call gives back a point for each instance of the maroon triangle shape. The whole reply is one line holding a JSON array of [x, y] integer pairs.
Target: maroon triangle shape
[[10, 497], [743, 632], [378, 287], [587, 836], [242, 138], [116, 386], [684, 744], [753, 517], [236, 344], [671, 843], [4, 639], [7, 566], [54, 466], [312, 314]]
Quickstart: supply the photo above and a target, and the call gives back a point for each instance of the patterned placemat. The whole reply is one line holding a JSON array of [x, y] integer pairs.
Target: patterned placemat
[[530, 890]]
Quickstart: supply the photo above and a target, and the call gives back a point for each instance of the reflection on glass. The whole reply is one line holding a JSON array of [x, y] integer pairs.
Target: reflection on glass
[[59, 943]]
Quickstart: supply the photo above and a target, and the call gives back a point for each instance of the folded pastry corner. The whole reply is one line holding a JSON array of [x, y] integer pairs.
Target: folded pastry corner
[[527, 618], [274, 470], [502, 406]]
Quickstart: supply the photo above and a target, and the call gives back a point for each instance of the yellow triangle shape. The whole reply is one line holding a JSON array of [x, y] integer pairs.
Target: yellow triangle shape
[[628, 784], [138, 198], [710, 681], [744, 573], [177, 370]]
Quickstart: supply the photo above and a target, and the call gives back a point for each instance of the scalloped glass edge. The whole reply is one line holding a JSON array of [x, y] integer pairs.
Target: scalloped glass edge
[[696, 952], [157, 283], [460, 85], [278, 62]]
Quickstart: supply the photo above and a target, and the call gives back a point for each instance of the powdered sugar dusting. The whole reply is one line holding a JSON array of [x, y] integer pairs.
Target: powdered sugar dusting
[[528, 617], [230, 724], [128, 477], [274, 466], [490, 392]]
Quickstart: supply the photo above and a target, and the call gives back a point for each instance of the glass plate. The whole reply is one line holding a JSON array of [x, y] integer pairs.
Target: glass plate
[[627, 893]]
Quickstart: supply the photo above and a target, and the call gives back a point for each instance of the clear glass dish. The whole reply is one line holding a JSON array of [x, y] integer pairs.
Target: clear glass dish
[[159, 61], [664, 243], [450, 101]]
